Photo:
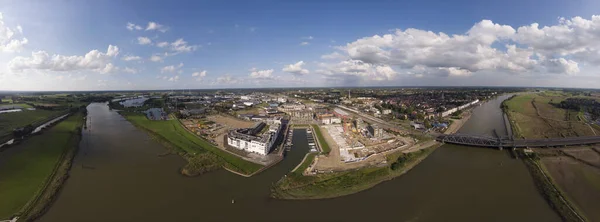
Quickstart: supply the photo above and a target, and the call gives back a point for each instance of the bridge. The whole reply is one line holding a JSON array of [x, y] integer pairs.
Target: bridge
[[506, 142]]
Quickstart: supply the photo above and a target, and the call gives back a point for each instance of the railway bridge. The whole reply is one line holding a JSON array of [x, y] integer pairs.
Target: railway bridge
[[506, 142]]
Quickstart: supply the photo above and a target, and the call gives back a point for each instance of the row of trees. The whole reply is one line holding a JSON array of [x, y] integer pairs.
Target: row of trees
[[584, 104]]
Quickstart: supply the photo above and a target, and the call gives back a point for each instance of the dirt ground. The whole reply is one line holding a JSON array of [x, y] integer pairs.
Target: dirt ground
[[333, 161], [579, 181], [458, 123], [585, 154], [228, 123]]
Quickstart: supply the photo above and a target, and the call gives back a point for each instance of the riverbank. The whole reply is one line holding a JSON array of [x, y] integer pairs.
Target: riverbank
[[34, 170], [546, 186], [458, 123], [201, 156], [297, 186], [533, 116]]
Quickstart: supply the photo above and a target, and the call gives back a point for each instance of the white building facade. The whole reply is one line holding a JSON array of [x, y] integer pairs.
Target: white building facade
[[252, 143]]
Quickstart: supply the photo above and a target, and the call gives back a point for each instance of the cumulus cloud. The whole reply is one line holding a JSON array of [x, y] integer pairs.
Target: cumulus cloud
[[41, 60], [562, 65], [304, 43], [180, 45], [261, 74], [171, 68], [199, 75], [296, 68], [144, 40], [8, 42], [358, 69], [155, 26], [486, 46], [174, 78], [130, 26]]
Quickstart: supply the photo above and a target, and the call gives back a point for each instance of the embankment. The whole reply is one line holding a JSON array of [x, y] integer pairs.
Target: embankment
[[201, 155], [296, 186], [551, 193]]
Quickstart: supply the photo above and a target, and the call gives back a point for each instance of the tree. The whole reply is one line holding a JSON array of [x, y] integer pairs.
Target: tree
[[427, 124]]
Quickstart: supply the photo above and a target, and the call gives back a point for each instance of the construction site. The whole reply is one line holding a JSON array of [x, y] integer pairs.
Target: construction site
[[355, 144]]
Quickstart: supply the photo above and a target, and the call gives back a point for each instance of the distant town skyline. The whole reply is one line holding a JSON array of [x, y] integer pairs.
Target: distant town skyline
[[156, 45]]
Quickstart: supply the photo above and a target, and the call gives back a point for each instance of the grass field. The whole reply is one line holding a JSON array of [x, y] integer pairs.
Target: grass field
[[322, 141], [173, 132], [25, 168], [307, 161], [329, 185], [535, 116], [10, 121]]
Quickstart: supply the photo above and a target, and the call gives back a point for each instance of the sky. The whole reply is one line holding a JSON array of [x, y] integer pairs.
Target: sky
[[66, 45]]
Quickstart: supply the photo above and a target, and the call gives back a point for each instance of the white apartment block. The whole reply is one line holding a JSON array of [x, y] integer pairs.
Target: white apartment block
[[261, 144]]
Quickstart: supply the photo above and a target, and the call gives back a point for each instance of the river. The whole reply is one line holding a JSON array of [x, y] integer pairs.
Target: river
[[118, 175]]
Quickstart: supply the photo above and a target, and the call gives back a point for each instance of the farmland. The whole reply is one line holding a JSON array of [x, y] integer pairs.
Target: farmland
[[576, 171], [537, 116], [27, 168], [10, 121]]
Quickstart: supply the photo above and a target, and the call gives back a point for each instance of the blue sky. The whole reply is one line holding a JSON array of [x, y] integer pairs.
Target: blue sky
[[87, 45]]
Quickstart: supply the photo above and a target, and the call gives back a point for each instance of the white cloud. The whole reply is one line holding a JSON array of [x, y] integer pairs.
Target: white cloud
[[296, 69], [225, 80], [162, 44], [358, 69], [180, 45], [561, 48], [144, 40], [156, 58], [131, 58], [130, 26], [156, 26], [108, 68], [562, 65], [171, 68], [41, 60], [199, 75], [334, 55], [261, 74], [308, 38], [304, 43], [130, 70], [174, 78], [7, 41]]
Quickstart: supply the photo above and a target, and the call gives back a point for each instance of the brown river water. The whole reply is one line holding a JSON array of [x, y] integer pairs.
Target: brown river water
[[118, 175]]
